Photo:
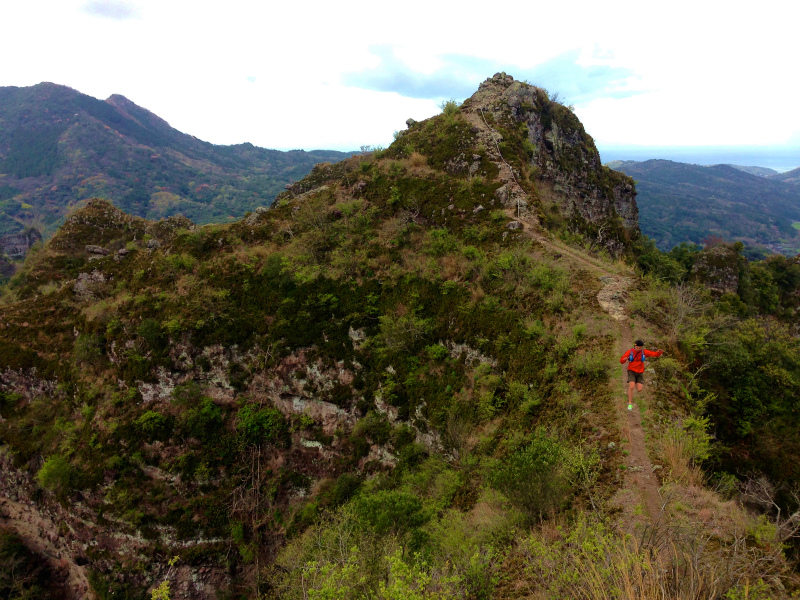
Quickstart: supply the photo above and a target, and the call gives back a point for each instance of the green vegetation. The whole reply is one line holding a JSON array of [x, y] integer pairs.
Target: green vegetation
[[736, 351], [78, 147], [55, 474], [374, 390], [689, 203], [33, 152]]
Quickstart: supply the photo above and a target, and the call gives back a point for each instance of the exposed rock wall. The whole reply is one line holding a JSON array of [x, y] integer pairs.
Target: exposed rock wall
[[718, 269], [17, 245], [560, 152]]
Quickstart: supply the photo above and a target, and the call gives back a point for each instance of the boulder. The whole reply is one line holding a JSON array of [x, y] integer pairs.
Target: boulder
[[97, 250], [718, 269]]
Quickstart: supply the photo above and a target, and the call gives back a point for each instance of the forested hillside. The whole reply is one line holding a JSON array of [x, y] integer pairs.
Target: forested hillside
[[792, 176], [679, 203], [59, 147], [402, 381]]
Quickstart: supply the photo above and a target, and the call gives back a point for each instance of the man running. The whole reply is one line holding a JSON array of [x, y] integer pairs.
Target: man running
[[636, 357]]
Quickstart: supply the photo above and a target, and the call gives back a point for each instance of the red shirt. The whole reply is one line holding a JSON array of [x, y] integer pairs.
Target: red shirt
[[637, 366]]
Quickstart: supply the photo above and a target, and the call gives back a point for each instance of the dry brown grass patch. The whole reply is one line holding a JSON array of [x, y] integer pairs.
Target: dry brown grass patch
[[417, 160]]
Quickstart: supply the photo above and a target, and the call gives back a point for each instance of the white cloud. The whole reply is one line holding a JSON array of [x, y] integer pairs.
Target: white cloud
[[271, 73], [111, 9]]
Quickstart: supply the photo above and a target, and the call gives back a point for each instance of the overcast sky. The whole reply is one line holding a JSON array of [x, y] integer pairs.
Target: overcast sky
[[339, 74]]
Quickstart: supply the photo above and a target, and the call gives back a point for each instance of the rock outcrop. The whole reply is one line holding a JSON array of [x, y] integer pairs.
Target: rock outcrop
[[17, 245], [562, 159], [718, 269]]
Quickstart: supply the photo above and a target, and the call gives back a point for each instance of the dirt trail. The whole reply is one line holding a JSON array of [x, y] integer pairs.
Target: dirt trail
[[640, 470], [40, 534], [640, 479]]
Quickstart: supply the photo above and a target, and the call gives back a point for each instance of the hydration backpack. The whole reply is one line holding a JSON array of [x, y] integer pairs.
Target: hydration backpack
[[632, 355]]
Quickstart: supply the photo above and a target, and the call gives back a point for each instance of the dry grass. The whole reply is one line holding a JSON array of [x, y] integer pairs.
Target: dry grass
[[678, 468], [257, 254], [390, 230], [455, 267], [417, 160], [102, 309], [676, 562]]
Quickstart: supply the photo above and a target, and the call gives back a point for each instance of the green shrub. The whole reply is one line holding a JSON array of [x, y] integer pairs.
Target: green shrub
[[340, 491], [55, 475], [402, 436], [592, 365], [262, 425], [153, 425], [374, 427], [150, 330], [440, 242], [204, 422], [693, 438], [437, 352], [534, 477], [391, 512], [89, 349], [449, 107], [413, 580], [534, 328], [482, 576], [401, 333]]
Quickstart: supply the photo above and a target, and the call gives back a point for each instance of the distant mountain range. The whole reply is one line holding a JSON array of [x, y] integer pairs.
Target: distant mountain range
[[760, 171], [58, 147], [790, 177], [679, 202]]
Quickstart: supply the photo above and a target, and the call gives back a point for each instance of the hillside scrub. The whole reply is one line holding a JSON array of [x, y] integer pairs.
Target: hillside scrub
[[375, 389], [736, 355]]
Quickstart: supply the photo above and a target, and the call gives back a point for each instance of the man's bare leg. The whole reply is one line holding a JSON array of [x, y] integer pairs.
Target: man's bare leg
[[639, 388]]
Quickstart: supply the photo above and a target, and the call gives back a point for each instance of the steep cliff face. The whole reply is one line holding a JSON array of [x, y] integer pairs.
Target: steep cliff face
[[561, 156], [18, 244]]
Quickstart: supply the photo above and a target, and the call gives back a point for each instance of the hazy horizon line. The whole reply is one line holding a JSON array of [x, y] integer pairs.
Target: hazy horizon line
[[778, 158]]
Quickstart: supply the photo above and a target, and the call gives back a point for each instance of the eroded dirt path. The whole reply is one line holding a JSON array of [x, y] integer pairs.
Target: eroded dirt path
[[640, 484], [41, 535], [639, 470]]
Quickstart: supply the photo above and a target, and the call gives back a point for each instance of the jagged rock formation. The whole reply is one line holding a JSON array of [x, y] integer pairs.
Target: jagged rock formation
[[718, 269], [16, 245], [560, 151]]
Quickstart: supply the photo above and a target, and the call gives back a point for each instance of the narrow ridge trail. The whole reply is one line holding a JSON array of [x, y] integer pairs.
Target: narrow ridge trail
[[640, 484], [639, 477], [639, 471]]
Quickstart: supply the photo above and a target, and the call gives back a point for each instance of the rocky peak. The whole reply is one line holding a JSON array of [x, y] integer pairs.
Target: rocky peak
[[561, 156]]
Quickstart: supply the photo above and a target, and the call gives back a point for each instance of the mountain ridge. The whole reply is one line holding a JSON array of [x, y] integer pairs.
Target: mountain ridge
[[680, 202], [792, 176], [398, 381], [59, 147]]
